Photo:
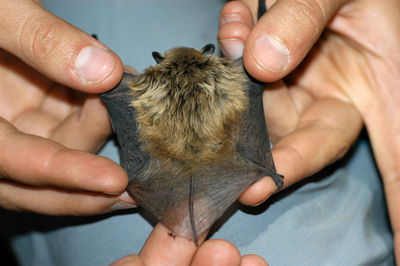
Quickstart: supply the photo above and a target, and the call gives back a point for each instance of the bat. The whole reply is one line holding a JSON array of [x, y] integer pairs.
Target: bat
[[192, 136]]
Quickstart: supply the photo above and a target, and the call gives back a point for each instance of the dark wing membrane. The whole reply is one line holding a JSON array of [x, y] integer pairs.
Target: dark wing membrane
[[188, 199], [167, 192], [254, 142], [123, 119]]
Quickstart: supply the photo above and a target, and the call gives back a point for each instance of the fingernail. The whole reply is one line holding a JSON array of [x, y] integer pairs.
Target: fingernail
[[270, 54], [232, 48], [122, 206], [125, 197], [125, 202], [226, 18], [93, 64]]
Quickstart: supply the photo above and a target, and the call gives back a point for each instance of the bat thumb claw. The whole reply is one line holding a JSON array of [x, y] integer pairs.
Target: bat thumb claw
[[277, 178]]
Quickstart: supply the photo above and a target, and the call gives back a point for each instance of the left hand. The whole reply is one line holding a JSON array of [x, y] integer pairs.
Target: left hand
[[163, 249], [48, 133], [50, 119]]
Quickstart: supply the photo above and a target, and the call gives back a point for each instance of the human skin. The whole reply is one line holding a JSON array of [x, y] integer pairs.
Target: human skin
[[48, 131], [352, 70]]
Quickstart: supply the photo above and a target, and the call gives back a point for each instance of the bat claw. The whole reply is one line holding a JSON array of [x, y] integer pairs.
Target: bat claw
[[172, 234], [277, 178]]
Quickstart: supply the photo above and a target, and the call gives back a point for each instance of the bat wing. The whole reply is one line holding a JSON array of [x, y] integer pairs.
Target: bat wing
[[185, 198], [123, 120], [254, 143], [188, 200]]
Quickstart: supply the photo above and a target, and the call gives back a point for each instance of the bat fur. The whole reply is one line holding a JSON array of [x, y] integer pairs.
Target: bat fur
[[188, 106]]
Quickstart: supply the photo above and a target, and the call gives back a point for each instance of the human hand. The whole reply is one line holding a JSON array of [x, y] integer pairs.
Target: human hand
[[354, 66], [46, 129], [310, 117], [163, 249]]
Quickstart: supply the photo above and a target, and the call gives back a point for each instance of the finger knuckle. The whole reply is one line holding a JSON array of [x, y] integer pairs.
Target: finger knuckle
[[310, 14], [38, 39], [233, 31]]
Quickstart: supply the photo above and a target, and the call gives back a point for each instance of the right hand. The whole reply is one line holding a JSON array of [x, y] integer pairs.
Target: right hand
[[352, 71], [48, 131]]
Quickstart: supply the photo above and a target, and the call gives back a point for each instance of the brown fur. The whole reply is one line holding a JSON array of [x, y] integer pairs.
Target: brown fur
[[189, 104]]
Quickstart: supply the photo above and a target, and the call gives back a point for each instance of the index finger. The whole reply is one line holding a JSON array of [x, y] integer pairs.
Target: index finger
[[33, 160], [324, 133]]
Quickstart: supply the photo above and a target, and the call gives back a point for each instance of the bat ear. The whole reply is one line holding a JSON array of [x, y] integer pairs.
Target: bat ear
[[158, 57], [208, 49]]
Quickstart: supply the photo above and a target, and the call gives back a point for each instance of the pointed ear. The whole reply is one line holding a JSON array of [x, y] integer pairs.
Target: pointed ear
[[208, 49], [158, 57]]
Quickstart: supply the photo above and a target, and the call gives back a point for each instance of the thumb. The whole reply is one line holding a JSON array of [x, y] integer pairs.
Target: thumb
[[56, 48], [282, 37]]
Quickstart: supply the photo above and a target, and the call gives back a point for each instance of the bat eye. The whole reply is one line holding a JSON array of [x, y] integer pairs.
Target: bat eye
[[157, 57], [208, 49]]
